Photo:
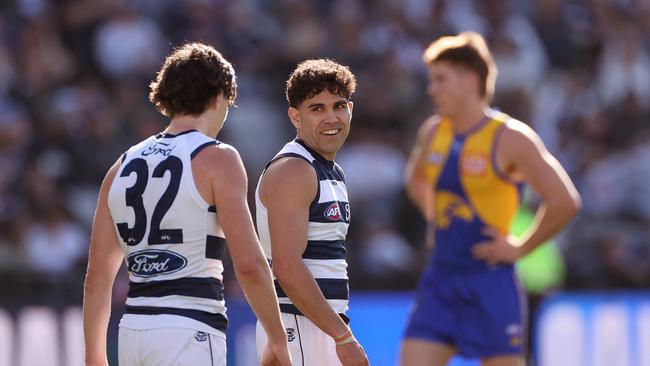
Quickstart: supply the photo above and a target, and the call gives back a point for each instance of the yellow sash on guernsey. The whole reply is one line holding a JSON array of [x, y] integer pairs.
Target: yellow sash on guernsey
[[489, 195]]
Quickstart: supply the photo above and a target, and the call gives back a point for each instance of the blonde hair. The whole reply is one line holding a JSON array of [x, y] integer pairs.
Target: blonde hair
[[469, 50]]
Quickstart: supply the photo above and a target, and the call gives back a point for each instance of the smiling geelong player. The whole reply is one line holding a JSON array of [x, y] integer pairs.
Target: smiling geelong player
[[167, 206], [303, 216]]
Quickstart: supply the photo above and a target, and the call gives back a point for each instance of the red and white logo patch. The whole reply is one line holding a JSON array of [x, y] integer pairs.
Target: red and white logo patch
[[333, 212], [474, 164]]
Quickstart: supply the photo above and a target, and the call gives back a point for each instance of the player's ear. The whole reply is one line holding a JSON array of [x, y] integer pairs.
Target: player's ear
[[350, 105], [473, 80], [294, 116]]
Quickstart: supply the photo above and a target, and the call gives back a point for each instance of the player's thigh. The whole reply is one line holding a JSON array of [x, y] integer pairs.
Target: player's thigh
[[493, 324], [127, 347], [513, 360], [317, 347], [204, 349], [295, 339], [419, 352], [171, 347]]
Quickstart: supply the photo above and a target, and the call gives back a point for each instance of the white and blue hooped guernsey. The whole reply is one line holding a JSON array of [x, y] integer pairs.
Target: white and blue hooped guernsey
[[172, 242], [329, 218]]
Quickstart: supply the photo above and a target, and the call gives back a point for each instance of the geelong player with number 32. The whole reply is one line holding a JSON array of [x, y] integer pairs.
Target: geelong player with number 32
[[166, 207]]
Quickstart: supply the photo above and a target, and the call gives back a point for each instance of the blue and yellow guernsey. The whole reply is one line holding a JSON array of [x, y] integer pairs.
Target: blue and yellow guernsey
[[470, 191]]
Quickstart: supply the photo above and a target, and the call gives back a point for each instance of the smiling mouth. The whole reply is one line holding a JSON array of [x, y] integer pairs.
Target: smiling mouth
[[331, 132]]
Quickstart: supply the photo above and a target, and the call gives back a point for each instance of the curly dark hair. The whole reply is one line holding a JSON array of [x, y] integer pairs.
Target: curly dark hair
[[190, 77], [313, 76]]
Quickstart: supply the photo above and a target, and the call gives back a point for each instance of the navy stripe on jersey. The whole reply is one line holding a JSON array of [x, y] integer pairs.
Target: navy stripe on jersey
[[325, 249], [215, 247], [325, 174], [212, 209], [293, 155], [328, 212], [201, 147], [327, 164], [292, 309], [171, 136], [339, 171], [332, 288], [207, 288], [215, 320]]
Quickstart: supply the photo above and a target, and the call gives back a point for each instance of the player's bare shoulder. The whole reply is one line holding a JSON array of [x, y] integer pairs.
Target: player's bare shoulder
[[218, 168], [217, 158], [427, 129], [424, 137], [289, 174], [517, 135]]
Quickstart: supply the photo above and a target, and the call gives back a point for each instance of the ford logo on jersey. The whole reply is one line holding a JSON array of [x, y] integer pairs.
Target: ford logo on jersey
[[333, 212], [154, 262]]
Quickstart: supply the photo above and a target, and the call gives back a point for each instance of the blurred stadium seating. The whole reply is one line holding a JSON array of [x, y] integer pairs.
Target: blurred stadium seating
[[73, 96]]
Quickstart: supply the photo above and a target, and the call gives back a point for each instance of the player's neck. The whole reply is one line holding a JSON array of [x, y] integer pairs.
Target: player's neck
[[468, 118], [201, 123]]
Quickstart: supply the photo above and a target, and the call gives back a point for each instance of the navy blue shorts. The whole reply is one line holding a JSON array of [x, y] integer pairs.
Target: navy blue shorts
[[481, 314]]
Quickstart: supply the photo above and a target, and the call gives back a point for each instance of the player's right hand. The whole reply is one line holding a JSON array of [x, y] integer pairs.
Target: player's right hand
[[276, 354], [352, 354]]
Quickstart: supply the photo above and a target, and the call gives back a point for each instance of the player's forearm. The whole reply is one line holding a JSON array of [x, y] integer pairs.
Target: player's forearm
[[301, 287], [549, 220], [96, 313], [257, 283], [420, 193]]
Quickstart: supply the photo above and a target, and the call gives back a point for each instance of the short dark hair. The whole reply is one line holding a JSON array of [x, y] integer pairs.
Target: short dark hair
[[469, 50], [313, 76], [191, 76]]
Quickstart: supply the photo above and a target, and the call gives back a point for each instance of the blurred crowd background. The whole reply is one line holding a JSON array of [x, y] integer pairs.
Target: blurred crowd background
[[74, 78]]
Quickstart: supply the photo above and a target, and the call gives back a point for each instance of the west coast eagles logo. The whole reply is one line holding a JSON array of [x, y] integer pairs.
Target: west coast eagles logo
[[450, 207]]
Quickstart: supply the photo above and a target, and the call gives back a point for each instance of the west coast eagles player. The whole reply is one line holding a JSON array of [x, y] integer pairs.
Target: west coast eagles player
[[166, 207], [465, 175]]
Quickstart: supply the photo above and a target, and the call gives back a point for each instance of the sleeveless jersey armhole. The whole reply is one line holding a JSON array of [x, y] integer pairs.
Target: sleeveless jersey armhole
[[295, 155]]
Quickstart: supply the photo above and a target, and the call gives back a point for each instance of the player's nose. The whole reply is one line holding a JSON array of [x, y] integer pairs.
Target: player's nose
[[331, 116]]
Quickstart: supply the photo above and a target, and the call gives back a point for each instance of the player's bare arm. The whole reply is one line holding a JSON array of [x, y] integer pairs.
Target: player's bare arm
[[418, 185], [229, 192], [523, 157], [104, 260], [287, 201]]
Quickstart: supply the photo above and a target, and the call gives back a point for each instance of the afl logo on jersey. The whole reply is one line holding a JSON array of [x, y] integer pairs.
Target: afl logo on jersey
[[154, 262], [333, 212]]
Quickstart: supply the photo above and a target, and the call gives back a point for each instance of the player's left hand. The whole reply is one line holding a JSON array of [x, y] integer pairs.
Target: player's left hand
[[500, 249], [276, 354]]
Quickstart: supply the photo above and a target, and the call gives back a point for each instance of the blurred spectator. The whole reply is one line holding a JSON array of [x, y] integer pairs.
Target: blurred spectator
[[128, 44], [74, 78], [54, 243]]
